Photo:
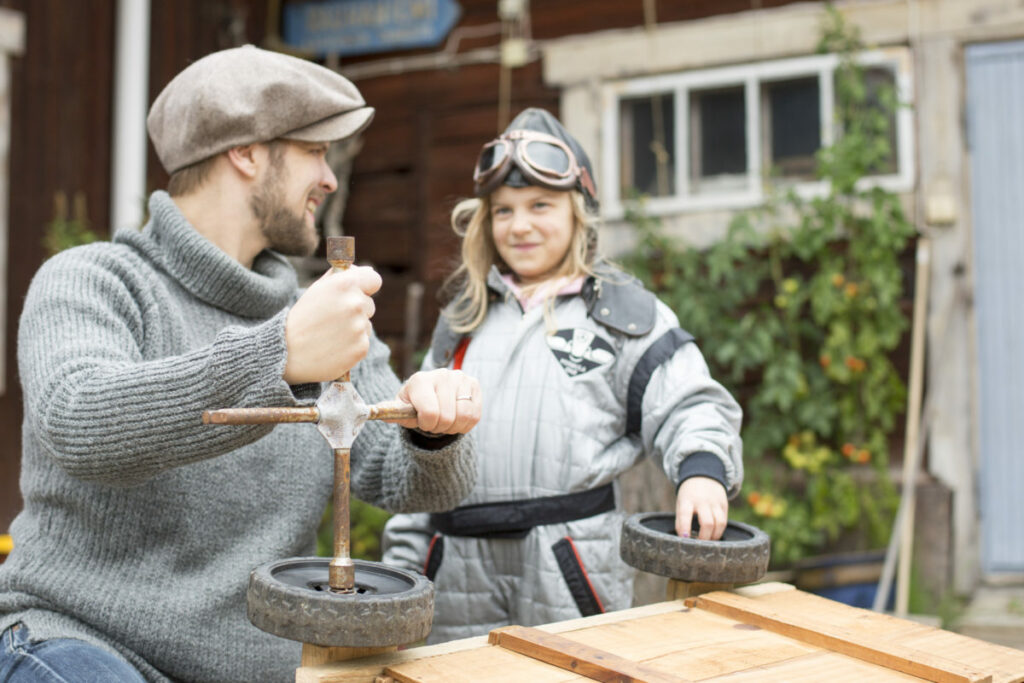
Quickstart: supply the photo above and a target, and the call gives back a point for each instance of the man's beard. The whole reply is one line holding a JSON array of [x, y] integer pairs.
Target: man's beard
[[286, 231]]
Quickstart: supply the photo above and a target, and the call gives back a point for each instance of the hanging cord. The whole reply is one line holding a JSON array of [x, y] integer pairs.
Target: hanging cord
[[658, 148], [515, 47]]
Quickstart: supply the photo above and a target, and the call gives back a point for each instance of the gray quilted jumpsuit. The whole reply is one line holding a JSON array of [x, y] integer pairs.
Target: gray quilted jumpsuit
[[557, 419]]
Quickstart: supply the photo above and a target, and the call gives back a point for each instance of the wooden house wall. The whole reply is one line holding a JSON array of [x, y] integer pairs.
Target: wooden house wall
[[60, 120], [415, 163]]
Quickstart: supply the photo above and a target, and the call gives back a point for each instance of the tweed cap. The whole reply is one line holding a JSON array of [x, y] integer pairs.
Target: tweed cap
[[245, 95]]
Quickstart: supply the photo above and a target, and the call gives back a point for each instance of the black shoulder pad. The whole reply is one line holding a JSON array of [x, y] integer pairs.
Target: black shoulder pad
[[443, 342], [620, 302]]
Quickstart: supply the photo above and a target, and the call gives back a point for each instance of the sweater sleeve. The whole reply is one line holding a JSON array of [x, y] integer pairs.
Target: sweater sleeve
[[104, 410], [393, 470]]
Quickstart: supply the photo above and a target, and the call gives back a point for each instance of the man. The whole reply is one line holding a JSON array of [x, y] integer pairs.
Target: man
[[141, 524]]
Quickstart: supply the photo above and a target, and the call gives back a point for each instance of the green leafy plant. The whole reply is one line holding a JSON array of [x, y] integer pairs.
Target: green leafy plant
[[67, 228], [798, 311]]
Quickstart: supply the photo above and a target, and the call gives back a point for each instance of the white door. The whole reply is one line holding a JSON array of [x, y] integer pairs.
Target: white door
[[995, 129]]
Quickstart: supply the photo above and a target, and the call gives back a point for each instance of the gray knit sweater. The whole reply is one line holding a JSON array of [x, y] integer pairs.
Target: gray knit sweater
[[141, 524]]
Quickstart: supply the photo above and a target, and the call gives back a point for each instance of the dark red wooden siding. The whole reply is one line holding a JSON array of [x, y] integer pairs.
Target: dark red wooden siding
[[60, 142]]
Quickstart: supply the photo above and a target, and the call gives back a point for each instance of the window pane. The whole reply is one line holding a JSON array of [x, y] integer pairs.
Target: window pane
[[647, 142], [881, 83], [792, 126], [873, 114], [718, 138]]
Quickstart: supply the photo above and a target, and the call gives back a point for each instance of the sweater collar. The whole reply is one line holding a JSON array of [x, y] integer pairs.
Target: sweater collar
[[205, 271]]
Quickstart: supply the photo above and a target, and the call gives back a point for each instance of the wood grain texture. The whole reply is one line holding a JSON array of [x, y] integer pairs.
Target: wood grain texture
[[317, 654], [492, 664], [772, 634], [837, 638], [574, 656]]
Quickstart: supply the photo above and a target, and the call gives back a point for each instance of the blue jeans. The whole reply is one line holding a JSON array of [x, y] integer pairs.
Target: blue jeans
[[61, 660]]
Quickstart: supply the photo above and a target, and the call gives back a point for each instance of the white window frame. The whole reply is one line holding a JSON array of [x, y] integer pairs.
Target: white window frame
[[751, 77]]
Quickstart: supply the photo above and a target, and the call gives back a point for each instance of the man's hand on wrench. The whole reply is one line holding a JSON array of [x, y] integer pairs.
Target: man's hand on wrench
[[446, 401], [327, 331]]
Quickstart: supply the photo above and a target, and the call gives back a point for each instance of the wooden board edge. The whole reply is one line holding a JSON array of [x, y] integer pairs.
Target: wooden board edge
[[576, 657], [903, 659], [364, 670], [615, 617]]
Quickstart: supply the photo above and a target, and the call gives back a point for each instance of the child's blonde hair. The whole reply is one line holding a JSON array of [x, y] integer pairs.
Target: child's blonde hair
[[471, 220]]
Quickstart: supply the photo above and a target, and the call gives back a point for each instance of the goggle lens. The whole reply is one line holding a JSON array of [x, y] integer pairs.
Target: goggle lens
[[492, 156], [547, 158]]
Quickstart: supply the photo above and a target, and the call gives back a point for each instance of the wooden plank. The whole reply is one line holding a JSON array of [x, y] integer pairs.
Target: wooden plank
[[885, 653], [574, 656], [364, 670], [389, 146], [815, 611], [616, 617], [818, 666], [704, 646], [695, 644], [493, 664], [1006, 664]]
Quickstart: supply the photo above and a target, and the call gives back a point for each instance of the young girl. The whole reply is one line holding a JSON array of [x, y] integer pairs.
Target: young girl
[[582, 372]]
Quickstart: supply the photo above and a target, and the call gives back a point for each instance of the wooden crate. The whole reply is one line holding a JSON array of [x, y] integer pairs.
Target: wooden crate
[[766, 633]]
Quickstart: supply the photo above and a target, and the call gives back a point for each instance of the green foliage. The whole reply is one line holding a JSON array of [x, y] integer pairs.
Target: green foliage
[[367, 524], [798, 311], [947, 606], [63, 231]]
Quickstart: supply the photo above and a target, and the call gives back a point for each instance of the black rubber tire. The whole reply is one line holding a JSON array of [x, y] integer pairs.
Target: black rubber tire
[[290, 599], [649, 542]]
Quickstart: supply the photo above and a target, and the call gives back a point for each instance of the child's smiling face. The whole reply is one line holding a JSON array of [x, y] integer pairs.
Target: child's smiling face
[[532, 228]]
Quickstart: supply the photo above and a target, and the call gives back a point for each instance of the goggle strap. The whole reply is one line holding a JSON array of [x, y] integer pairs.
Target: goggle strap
[[587, 183]]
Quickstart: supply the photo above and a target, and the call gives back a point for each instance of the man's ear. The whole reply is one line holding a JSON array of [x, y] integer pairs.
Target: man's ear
[[244, 160]]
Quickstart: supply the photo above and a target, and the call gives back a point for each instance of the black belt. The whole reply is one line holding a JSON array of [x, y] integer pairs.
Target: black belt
[[515, 518]]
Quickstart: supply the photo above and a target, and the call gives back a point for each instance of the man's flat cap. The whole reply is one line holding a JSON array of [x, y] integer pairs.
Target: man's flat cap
[[246, 95]]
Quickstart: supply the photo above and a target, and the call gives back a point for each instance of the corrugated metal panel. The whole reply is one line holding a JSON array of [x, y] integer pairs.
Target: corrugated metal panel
[[995, 120]]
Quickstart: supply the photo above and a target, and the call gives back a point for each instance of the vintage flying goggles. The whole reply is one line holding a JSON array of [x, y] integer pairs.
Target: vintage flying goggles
[[543, 160]]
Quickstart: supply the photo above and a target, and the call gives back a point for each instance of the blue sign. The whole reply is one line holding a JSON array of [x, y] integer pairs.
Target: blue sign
[[354, 27]]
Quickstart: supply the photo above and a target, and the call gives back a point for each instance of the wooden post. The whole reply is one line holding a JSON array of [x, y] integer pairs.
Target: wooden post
[[910, 450]]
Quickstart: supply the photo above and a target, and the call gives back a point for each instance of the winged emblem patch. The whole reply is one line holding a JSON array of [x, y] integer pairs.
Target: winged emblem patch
[[579, 350]]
